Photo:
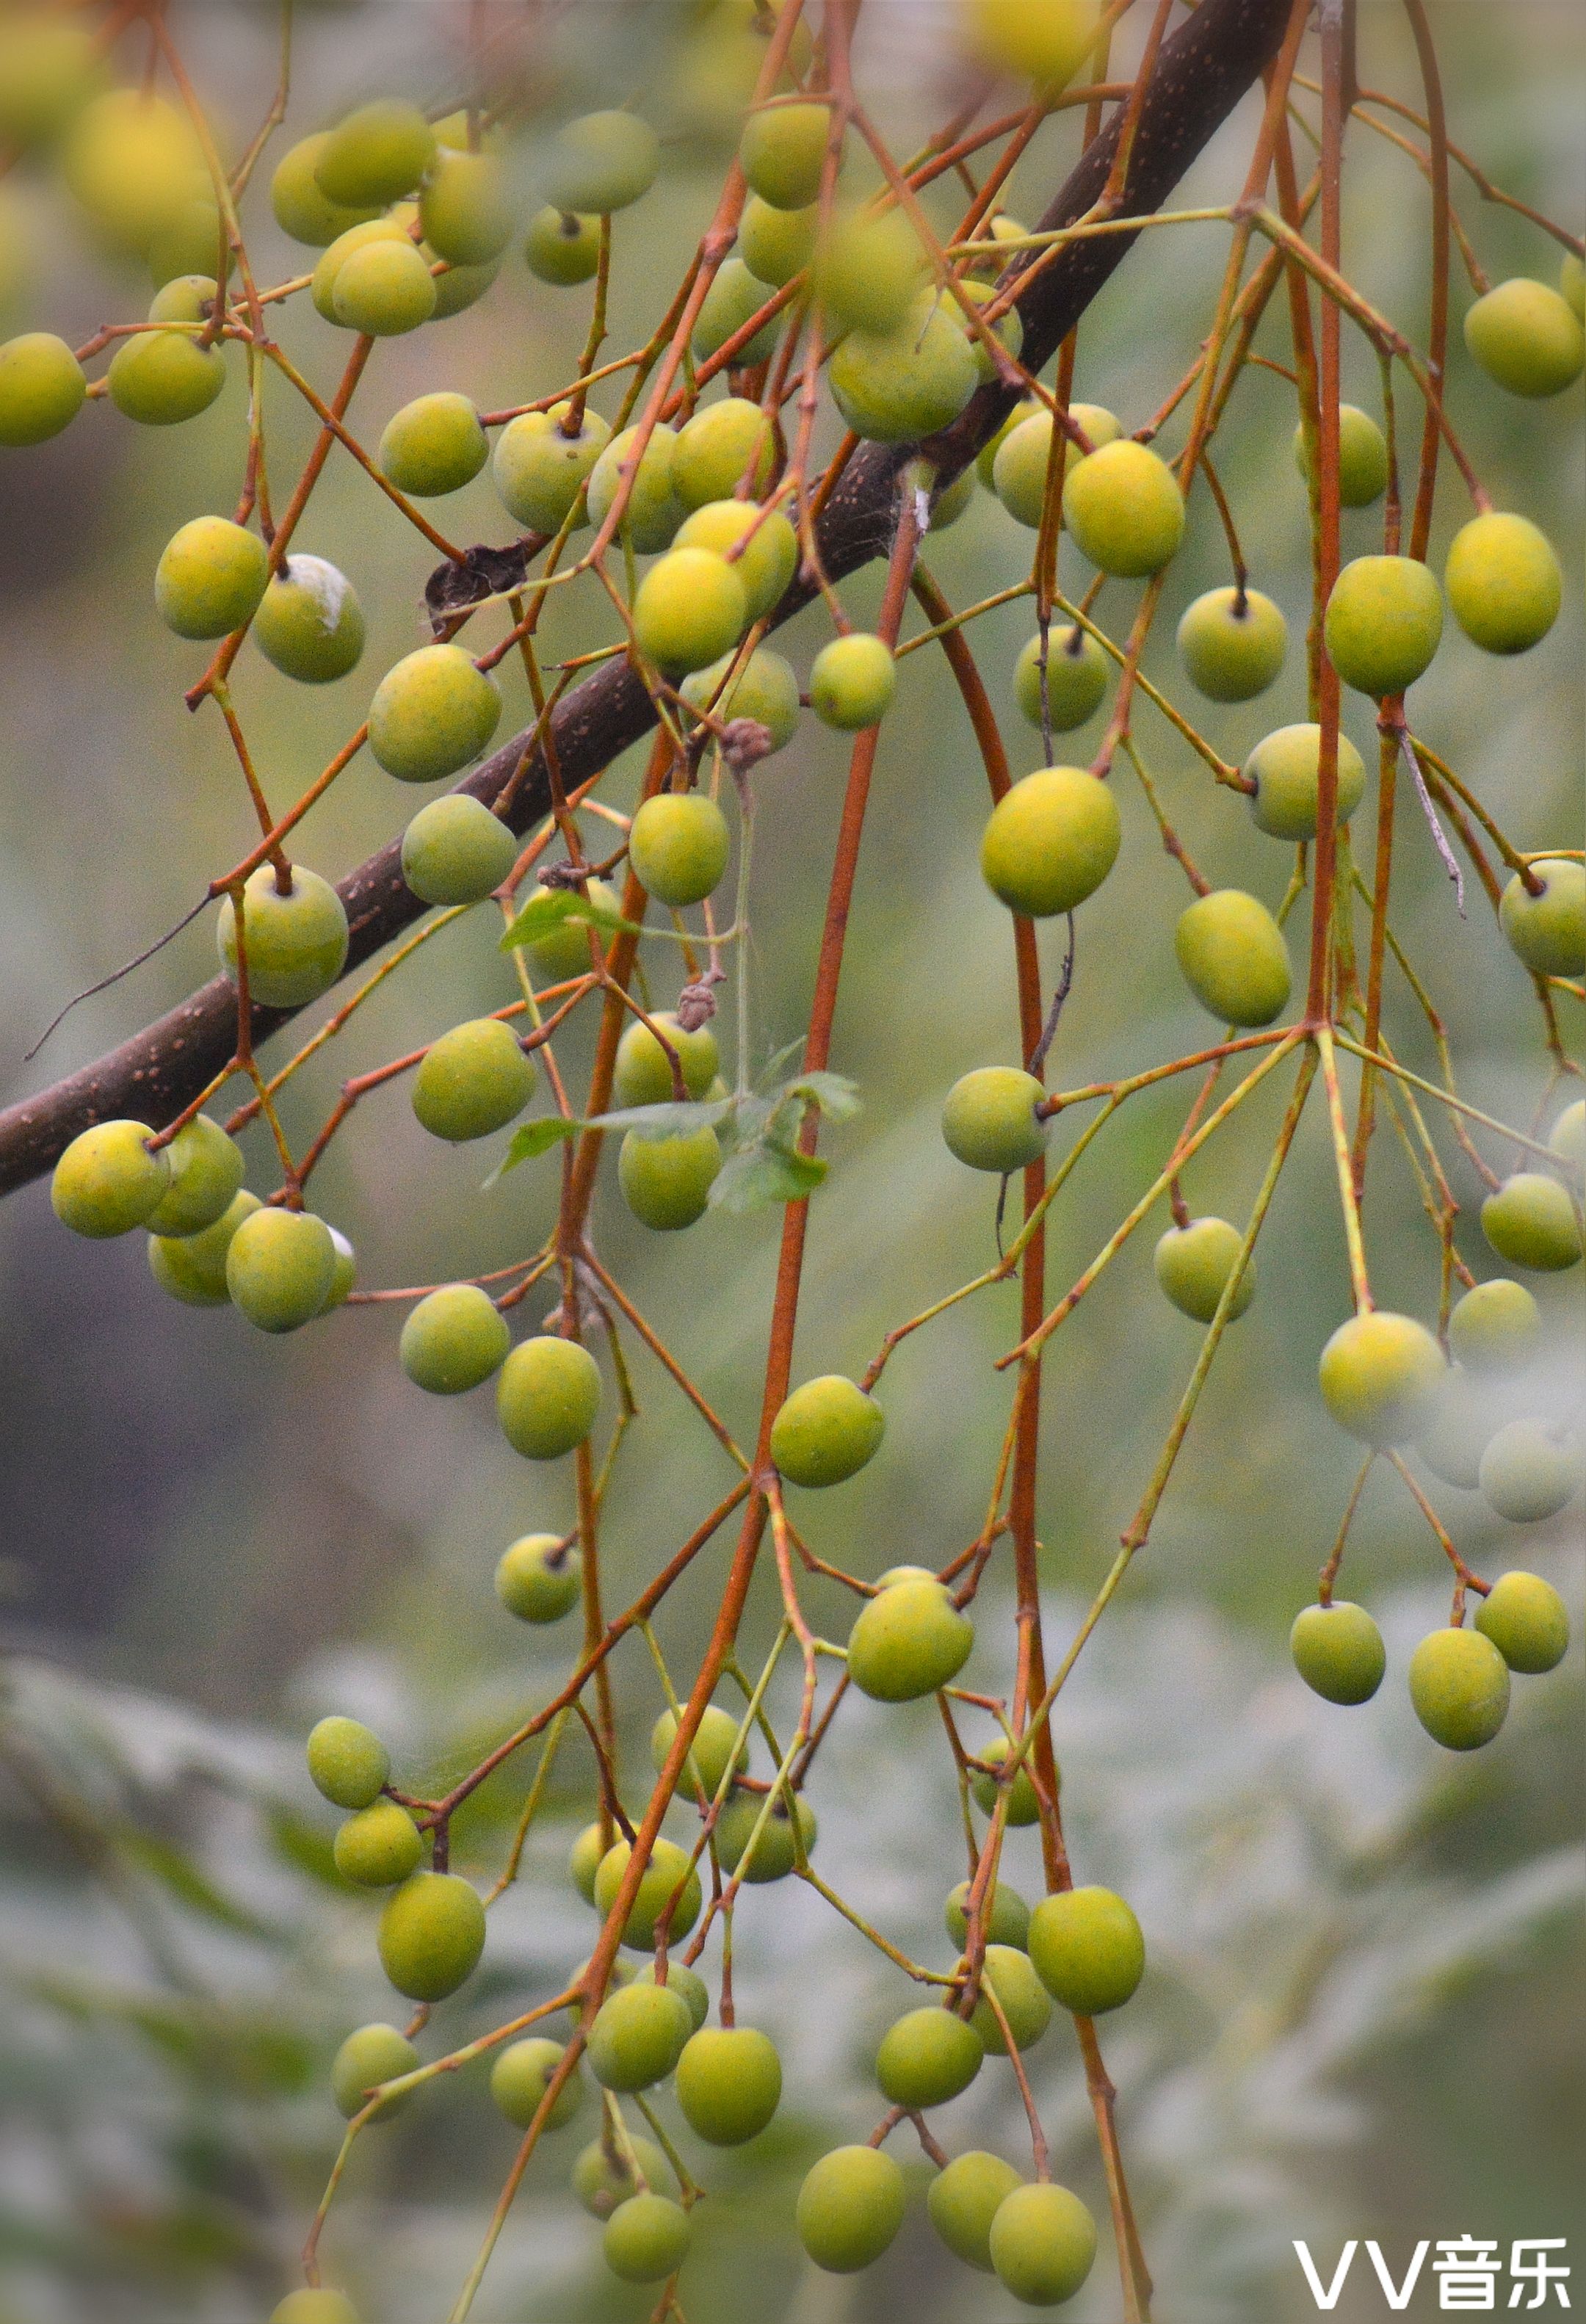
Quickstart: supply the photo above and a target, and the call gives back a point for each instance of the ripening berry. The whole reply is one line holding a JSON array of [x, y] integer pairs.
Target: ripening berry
[[896, 386], [638, 2037], [1380, 1373], [646, 2239], [1025, 2002], [1528, 1472], [1459, 1688], [909, 1640], [1526, 337], [1383, 622], [990, 1121], [297, 943], [1568, 1140], [108, 1181], [1363, 457], [454, 850], [1007, 1920], [1088, 1949], [776, 244], [1528, 1622], [518, 2082], [721, 445], [1050, 842], [464, 209], [317, 2306], [48, 65], [42, 388], [850, 2206], [826, 1431], [192, 1267], [210, 577], [601, 2180], [1022, 459], [205, 1174], [1231, 642], [281, 1268], [1043, 2244], [765, 689], [783, 149], [328, 265], [729, 2083], [473, 1080], [1124, 508], [761, 547], [1494, 1325], [1503, 582], [868, 271], [776, 1851], [1042, 40], [539, 1578], [732, 300], [1076, 678], [1338, 1651], [689, 608], [378, 1847], [716, 1748], [431, 1935], [130, 159], [584, 1860], [562, 247], [678, 846], [563, 951], [1547, 931], [1195, 1262], [432, 712], [1286, 768], [852, 681], [679, 1980], [302, 208], [453, 1340], [309, 623], [643, 1071], [432, 446], [1232, 956], [185, 298], [963, 2198], [926, 2057], [602, 163], [347, 1765], [539, 469], [375, 155], [667, 1887], [666, 1181], [370, 2056], [160, 378], [1531, 1221], [546, 1396]]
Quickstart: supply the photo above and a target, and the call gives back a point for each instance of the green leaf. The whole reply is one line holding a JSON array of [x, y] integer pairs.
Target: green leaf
[[833, 1094], [553, 907], [535, 1138], [762, 1175], [669, 1120]]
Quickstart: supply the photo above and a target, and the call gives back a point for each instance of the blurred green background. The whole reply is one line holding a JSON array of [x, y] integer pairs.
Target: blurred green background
[[1362, 2016]]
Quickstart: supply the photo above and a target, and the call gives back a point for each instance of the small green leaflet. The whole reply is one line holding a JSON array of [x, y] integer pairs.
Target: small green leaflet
[[669, 1120], [554, 906], [534, 1138], [759, 1176], [835, 1096]]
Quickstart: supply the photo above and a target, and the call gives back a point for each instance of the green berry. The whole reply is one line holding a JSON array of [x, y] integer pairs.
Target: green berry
[[1568, 1140], [187, 245], [601, 2180], [130, 159], [206, 1175], [666, 1181], [42, 388], [990, 1121], [453, 1340], [602, 163], [1232, 956], [160, 378], [49, 64], [732, 298], [1383, 622], [108, 1181], [1528, 1472], [1494, 1325], [868, 271], [370, 2056], [192, 1267], [776, 244], [518, 2082], [638, 2037], [909, 1640], [1531, 1221], [546, 1396], [1459, 1688], [896, 386], [1043, 2244], [454, 850], [318, 2307], [347, 1765], [729, 2083], [1286, 768], [765, 689], [1380, 1373], [1454, 1428], [826, 1431], [646, 2239], [432, 446], [644, 1072], [563, 951], [1526, 337], [302, 209], [850, 2206], [584, 1860], [1088, 1949], [210, 577], [1050, 842], [431, 713], [561, 247], [1503, 582], [297, 943], [540, 470], [761, 547], [681, 1981], [309, 623], [689, 609], [926, 2057], [1338, 1651], [1023, 1806], [375, 155], [963, 2198], [1195, 1262], [184, 299], [1124, 508], [281, 1268], [1024, 2000], [950, 502], [1022, 457], [328, 265], [1233, 643], [668, 1888], [783, 151], [716, 1748], [464, 209], [474, 1080], [1528, 1622], [1007, 1920], [1076, 678], [459, 287], [378, 1847], [1041, 40], [776, 1851], [718, 448], [852, 681], [1571, 284], [1028, 407], [539, 1578], [679, 844], [1363, 457], [1547, 931], [431, 1935], [345, 1271]]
